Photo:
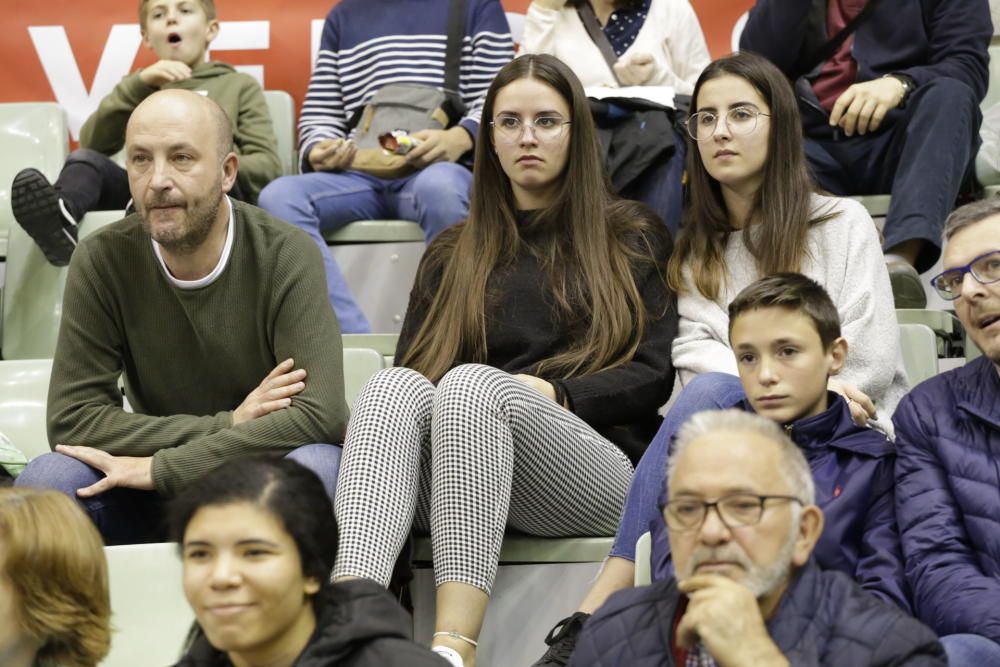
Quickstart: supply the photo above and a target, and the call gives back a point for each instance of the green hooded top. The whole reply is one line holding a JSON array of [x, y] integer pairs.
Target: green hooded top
[[237, 93]]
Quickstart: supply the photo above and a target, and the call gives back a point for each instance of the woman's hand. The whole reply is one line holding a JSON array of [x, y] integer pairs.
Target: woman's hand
[[862, 407], [635, 70], [538, 384]]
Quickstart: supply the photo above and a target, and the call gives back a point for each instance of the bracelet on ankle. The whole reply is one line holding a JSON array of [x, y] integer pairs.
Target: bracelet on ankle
[[455, 635]]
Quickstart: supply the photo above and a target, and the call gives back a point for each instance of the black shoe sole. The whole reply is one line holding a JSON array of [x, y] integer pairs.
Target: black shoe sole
[[35, 204]]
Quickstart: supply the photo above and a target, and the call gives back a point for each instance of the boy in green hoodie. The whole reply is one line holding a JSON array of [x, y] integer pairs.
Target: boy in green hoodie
[[178, 32]]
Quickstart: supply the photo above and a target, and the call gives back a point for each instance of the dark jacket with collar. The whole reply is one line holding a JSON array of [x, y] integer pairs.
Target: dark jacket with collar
[[823, 620], [852, 468], [948, 498], [923, 39], [359, 624]]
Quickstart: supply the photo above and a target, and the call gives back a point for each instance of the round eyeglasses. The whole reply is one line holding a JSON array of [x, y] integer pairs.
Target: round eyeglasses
[[509, 128], [740, 509], [740, 120], [985, 269]]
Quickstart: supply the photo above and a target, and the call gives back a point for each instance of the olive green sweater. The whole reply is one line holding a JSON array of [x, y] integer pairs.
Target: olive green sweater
[[190, 356], [237, 93]]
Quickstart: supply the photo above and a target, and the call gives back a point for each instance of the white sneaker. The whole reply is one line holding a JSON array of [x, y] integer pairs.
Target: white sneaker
[[449, 654]]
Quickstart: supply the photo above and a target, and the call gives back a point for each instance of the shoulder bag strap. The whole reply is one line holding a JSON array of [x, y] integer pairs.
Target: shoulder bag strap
[[453, 52], [826, 51], [593, 27]]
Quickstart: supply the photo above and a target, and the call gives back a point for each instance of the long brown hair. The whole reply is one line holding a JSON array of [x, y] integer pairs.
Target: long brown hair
[[587, 241], [782, 206], [54, 560]]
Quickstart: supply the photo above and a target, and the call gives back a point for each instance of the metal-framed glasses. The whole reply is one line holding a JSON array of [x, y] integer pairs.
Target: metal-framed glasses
[[740, 120], [985, 269], [509, 128], [739, 509]]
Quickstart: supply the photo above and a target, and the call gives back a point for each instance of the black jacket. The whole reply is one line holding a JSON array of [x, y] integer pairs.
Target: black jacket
[[359, 624], [823, 620]]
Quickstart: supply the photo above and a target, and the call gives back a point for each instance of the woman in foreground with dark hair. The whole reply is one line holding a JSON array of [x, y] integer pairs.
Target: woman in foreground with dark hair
[[258, 539], [535, 353]]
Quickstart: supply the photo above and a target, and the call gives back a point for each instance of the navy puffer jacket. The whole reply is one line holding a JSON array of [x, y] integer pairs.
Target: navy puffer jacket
[[948, 498], [824, 620]]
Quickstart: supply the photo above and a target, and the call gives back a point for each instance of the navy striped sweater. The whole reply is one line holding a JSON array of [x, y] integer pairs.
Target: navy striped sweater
[[370, 43]]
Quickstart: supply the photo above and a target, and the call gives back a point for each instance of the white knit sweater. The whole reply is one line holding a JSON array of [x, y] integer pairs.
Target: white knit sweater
[[671, 34], [845, 256]]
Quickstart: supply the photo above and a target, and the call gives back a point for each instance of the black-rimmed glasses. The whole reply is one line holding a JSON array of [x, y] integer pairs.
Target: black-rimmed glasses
[[985, 269], [739, 509], [740, 120]]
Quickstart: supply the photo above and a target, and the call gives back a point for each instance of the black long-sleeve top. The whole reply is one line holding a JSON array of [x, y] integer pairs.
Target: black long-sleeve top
[[524, 327]]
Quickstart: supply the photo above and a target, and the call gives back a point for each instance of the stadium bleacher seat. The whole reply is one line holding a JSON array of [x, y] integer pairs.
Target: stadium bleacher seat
[[384, 344], [643, 560], [920, 358], [150, 616], [32, 134], [987, 175], [282, 109], [24, 388]]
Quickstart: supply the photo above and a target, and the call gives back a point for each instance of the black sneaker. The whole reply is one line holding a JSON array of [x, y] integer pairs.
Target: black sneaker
[[42, 213], [562, 641]]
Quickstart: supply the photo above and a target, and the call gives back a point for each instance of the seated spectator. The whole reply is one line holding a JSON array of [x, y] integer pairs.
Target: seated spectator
[[365, 46], [211, 312], [258, 539], [743, 525], [535, 354], [179, 33], [893, 108], [54, 604], [948, 442], [657, 43], [755, 212]]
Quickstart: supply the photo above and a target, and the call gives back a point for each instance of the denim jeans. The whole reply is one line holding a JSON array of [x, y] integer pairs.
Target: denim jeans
[[971, 650], [131, 516], [436, 197], [708, 391]]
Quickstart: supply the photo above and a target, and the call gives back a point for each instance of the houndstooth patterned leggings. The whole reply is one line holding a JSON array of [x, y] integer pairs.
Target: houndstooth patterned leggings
[[462, 460]]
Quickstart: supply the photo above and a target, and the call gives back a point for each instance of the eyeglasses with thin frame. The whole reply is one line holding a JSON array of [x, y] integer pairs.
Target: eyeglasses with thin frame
[[985, 269], [740, 120], [509, 128], [736, 510]]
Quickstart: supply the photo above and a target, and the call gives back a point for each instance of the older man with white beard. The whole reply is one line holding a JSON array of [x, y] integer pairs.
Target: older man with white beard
[[742, 526]]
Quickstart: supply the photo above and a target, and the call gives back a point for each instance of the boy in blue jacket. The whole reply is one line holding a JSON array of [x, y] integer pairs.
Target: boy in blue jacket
[[785, 332]]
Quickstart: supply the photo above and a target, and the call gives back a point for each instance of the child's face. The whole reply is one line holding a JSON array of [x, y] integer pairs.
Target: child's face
[[782, 364], [178, 30]]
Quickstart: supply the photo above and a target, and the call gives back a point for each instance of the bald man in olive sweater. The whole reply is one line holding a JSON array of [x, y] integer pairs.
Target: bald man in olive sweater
[[215, 316]]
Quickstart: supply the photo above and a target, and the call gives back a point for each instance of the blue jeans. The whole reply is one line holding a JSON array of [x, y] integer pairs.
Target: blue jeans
[[436, 197], [661, 186], [971, 650], [708, 391], [130, 516]]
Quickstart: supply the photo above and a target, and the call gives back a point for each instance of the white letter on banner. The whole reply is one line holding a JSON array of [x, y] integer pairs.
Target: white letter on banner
[[244, 36], [64, 76]]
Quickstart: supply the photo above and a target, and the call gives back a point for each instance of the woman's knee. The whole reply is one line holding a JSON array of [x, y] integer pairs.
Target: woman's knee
[[710, 391], [472, 384]]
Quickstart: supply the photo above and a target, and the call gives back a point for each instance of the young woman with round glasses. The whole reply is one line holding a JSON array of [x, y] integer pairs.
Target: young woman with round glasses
[[754, 211], [534, 355]]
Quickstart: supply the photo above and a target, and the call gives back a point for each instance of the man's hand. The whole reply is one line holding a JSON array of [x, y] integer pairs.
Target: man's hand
[[862, 407], [332, 155], [635, 70], [164, 71], [274, 393], [439, 146], [130, 472], [724, 616], [543, 387], [863, 106]]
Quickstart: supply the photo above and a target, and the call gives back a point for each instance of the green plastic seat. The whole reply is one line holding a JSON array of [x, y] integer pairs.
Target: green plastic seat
[[359, 365], [24, 389], [32, 134], [282, 110], [383, 343], [877, 205], [376, 231], [920, 350], [150, 616], [32, 304], [518, 548], [643, 560]]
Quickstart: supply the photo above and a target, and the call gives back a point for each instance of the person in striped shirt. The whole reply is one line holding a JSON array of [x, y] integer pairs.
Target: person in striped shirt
[[366, 45]]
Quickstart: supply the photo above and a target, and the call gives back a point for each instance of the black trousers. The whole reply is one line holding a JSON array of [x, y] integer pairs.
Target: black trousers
[[922, 158], [91, 181]]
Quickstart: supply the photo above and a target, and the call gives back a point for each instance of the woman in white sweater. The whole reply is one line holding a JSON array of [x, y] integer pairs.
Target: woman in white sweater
[[656, 42], [754, 211]]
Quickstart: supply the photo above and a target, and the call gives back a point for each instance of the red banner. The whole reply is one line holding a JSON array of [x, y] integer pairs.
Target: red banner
[[74, 53]]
